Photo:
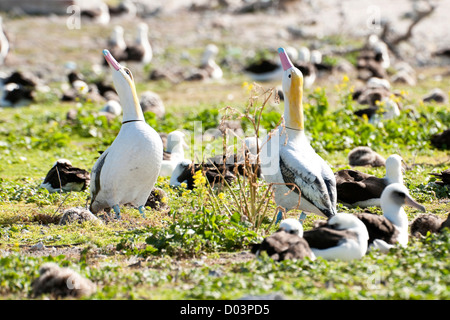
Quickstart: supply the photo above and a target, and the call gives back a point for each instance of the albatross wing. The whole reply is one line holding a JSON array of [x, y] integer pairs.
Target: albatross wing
[[317, 185]]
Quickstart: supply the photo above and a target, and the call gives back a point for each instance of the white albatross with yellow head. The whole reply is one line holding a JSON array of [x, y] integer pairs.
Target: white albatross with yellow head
[[126, 172], [289, 161]]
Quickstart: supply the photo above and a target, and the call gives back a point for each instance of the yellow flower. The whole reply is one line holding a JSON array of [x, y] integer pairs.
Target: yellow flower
[[199, 179], [247, 86], [164, 200], [345, 78], [365, 117], [185, 193], [183, 185], [221, 196]]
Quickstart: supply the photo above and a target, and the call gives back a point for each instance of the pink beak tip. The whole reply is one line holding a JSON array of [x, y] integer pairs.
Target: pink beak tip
[[110, 59], [285, 61]]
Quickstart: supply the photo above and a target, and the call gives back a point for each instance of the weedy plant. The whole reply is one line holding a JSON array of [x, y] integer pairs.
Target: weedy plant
[[252, 197]]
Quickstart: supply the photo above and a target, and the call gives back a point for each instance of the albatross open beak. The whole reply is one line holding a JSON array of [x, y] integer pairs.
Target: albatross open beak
[[110, 59]]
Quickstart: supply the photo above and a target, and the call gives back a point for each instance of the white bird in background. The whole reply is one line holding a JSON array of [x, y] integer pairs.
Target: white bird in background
[[116, 44], [289, 161], [4, 43], [343, 237], [141, 50], [126, 172], [359, 189], [209, 64], [116, 39], [379, 47], [392, 227], [174, 153]]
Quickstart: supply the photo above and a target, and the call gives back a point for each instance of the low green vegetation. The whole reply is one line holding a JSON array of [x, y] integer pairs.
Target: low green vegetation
[[199, 249]]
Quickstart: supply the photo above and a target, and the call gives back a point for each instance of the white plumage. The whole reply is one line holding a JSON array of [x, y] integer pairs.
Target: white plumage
[[288, 158], [175, 152], [393, 198], [127, 171], [344, 237], [208, 62], [4, 44]]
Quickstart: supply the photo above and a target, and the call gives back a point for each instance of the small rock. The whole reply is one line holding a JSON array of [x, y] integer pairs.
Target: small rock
[[38, 246], [61, 282], [77, 214], [436, 95]]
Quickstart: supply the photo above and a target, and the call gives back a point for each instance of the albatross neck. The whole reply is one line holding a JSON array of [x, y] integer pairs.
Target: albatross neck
[[132, 110], [396, 215], [293, 105]]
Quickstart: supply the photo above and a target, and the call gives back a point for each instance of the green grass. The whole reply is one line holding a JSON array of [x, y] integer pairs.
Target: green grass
[[170, 246], [198, 250]]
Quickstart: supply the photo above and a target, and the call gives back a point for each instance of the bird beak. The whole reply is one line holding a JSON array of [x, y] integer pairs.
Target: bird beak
[[110, 59], [285, 61], [412, 203]]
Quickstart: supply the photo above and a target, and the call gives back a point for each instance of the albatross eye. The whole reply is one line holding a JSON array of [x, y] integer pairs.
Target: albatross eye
[[128, 72]]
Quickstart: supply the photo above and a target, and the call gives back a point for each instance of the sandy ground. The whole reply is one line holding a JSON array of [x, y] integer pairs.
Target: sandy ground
[[45, 44]]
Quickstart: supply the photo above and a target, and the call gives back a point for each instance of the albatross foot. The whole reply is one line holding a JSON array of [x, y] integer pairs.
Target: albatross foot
[[279, 217], [302, 217], [117, 211], [142, 211]]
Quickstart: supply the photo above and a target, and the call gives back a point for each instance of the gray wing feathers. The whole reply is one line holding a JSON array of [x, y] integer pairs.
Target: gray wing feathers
[[96, 171], [316, 188]]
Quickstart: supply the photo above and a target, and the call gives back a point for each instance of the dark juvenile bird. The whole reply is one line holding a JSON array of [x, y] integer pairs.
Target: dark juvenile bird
[[441, 140], [18, 89], [444, 176], [392, 227], [185, 171], [61, 282], [425, 223], [286, 243], [437, 95], [365, 156], [79, 215], [63, 177], [263, 70], [355, 188]]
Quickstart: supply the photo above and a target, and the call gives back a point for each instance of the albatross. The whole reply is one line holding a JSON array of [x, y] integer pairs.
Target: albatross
[[392, 227], [63, 177], [288, 160], [356, 188], [4, 43], [142, 50], [126, 172], [343, 237], [286, 243], [174, 153]]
